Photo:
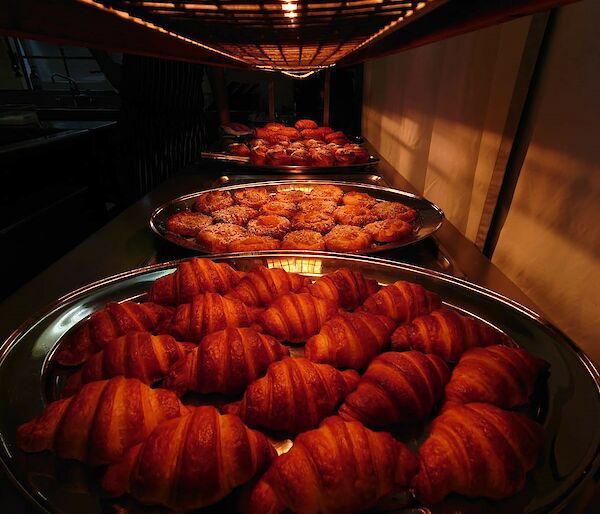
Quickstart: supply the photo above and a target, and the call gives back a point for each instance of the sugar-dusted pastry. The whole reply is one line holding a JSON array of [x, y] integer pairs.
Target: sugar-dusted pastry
[[190, 462], [253, 243], [476, 450], [252, 197], [445, 333], [499, 375], [258, 155], [101, 421], [353, 215], [358, 198], [350, 340], [329, 192], [300, 157], [313, 220], [135, 355], [339, 467], [269, 225], [305, 124], [317, 204], [279, 208], [192, 277], [277, 155], [347, 287], [394, 210], [347, 238], [212, 201], [215, 238], [296, 317], [238, 215], [290, 195], [294, 395], [225, 362], [322, 157], [402, 301], [398, 387], [389, 230], [186, 223], [116, 319]]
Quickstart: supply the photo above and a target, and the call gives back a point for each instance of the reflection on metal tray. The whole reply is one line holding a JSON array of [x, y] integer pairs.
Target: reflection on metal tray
[[235, 179], [571, 391]]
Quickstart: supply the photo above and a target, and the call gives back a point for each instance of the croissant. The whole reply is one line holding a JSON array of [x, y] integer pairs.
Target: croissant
[[225, 362], [397, 388], [296, 317], [348, 288], [136, 355], [445, 333], [193, 277], [294, 395], [350, 340], [499, 375], [477, 450], [101, 421], [115, 320], [341, 467], [402, 301], [262, 285], [207, 313], [191, 462]]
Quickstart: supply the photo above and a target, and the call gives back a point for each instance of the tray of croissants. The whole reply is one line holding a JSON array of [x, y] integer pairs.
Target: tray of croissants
[[297, 215], [282, 383], [301, 148]]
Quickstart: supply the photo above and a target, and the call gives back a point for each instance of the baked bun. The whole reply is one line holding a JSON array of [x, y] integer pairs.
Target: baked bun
[[305, 124], [274, 127], [290, 195], [290, 132], [315, 220], [300, 157], [354, 215], [386, 231], [186, 223], [269, 225], [277, 138], [256, 142], [278, 156], [347, 238], [310, 143], [340, 141], [324, 131], [258, 155], [238, 149], [360, 153], [334, 135], [261, 133], [317, 205], [322, 156], [238, 215], [396, 210], [358, 198], [212, 201], [303, 240], [345, 156], [278, 208], [312, 134], [253, 244], [327, 192], [253, 197], [215, 238]]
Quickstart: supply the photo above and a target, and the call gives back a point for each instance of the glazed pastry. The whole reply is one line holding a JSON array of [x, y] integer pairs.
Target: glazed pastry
[[334, 135], [303, 240], [322, 157], [402, 301], [499, 375], [294, 395], [215, 238], [116, 319], [312, 133], [476, 450], [397, 388], [135, 355], [350, 340], [212, 201], [300, 157], [100, 422], [305, 124], [312, 143], [340, 141], [290, 195], [445, 333], [269, 225], [253, 244], [186, 223], [190, 462], [347, 238], [361, 155], [207, 313], [346, 287], [353, 215], [225, 362], [290, 132], [253, 197], [237, 215], [261, 286], [389, 230], [341, 467], [192, 277], [296, 317], [278, 156], [344, 156], [258, 155], [317, 205], [274, 126], [395, 210], [314, 220], [261, 133], [359, 199], [324, 131], [278, 208], [327, 192], [238, 149]]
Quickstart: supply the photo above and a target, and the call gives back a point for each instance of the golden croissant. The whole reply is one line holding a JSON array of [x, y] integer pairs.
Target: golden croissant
[[445, 333], [191, 278], [397, 388], [135, 355], [476, 449], [205, 314], [191, 462], [225, 362], [294, 395], [296, 317], [402, 301], [99, 423], [350, 340], [348, 288], [115, 320], [262, 285], [499, 375], [341, 467]]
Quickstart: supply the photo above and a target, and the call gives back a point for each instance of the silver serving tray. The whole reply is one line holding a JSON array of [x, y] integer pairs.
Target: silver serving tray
[[430, 216], [568, 406]]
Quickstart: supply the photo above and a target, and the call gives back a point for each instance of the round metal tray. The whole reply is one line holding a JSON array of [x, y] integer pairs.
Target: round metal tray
[[569, 408], [430, 216]]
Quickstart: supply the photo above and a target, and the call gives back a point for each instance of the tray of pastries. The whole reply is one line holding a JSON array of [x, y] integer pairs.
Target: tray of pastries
[[302, 148], [297, 215], [295, 383]]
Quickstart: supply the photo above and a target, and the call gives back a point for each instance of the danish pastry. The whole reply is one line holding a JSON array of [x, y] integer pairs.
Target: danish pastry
[[253, 197], [215, 238], [353, 215], [396, 210], [388, 230], [327, 192], [269, 225], [212, 201], [317, 221], [279, 208], [186, 223], [303, 240], [358, 198], [347, 238], [253, 244], [237, 215]]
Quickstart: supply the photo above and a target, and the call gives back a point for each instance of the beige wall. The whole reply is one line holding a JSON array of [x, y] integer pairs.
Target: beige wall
[[436, 113]]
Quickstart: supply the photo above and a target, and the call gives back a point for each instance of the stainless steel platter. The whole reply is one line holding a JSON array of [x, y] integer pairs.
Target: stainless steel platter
[[430, 216], [568, 405]]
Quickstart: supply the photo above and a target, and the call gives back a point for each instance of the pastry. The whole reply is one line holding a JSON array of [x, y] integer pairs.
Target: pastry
[[312, 133], [239, 149], [322, 157], [313, 220], [327, 192], [269, 225], [303, 240], [236, 215], [346, 287], [278, 156], [253, 243], [212, 201], [395, 210], [389, 230], [290, 195], [300, 157], [344, 156], [253, 197], [274, 126], [279, 208], [186, 223], [334, 135], [317, 205], [215, 238], [305, 124], [347, 238], [353, 215], [291, 133], [359, 199], [258, 155]]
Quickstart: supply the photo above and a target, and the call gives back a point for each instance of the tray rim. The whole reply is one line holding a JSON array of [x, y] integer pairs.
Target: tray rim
[[382, 248], [592, 369]]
